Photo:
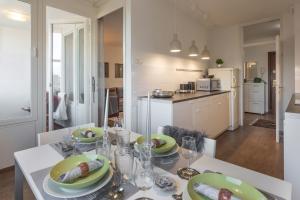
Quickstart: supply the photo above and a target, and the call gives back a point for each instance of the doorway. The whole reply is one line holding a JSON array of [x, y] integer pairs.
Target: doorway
[[68, 69], [272, 81], [260, 74], [110, 66]]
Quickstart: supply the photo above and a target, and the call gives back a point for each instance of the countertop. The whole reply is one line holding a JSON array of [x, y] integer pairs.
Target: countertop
[[292, 107], [188, 96]]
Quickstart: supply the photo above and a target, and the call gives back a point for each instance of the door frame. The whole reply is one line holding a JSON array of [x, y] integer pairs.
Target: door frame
[[270, 83]]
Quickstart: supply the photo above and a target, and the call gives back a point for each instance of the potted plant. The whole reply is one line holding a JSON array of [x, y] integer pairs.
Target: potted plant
[[219, 62]]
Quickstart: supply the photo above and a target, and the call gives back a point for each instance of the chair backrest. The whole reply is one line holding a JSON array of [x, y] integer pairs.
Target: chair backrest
[[209, 145], [51, 137]]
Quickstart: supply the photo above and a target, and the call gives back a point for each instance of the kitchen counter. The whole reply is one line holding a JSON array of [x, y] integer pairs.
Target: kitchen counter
[[187, 96]]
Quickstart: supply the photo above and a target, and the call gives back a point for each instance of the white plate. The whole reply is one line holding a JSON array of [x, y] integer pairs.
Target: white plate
[[156, 155], [53, 190]]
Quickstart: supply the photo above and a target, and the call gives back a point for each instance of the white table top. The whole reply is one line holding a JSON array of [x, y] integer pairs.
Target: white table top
[[34, 159]]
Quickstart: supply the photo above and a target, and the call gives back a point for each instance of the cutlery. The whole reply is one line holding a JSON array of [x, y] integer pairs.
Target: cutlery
[[177, 196]]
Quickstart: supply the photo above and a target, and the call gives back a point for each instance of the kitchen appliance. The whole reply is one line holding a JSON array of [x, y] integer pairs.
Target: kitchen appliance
[[229, 80], [187, 87], [208, 84], [158, 93]]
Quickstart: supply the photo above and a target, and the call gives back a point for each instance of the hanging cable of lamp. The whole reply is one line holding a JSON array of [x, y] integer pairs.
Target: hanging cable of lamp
[[175, 44]]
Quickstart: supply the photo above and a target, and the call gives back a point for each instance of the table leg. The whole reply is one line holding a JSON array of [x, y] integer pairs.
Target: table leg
[[19, 180]]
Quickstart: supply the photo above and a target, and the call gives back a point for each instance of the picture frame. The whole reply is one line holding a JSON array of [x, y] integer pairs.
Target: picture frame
[[106, 69], [118, 70]]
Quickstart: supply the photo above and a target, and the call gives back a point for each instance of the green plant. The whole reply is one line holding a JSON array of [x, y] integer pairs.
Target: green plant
[[219, 61]]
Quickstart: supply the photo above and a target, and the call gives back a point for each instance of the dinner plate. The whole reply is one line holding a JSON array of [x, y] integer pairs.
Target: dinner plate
[[54, 190], [72, 162], [170, 143], [158, 155], [77, 134], [239, 188]]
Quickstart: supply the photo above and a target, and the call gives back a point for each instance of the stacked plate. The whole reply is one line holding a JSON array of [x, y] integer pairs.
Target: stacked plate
[[217, 182], [168, 149], [82, 186]]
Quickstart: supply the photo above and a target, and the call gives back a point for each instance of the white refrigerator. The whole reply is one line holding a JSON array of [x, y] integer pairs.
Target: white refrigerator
[[230, 80]]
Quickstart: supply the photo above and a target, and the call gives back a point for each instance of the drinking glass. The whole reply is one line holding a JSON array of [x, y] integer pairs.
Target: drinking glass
[[101, 150], [144, 177], [124, 163], [188, 148], [123, 139]]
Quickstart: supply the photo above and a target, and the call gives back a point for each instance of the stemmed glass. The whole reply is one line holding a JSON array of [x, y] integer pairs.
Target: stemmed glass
[[188, 148]]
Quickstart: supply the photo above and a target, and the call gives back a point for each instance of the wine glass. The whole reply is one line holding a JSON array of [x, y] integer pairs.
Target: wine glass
[[188, 148]]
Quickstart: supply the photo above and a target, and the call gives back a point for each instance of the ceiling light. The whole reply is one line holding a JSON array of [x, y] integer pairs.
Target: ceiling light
[[205, 55], [17, 16], [175, 44], [193, 51]]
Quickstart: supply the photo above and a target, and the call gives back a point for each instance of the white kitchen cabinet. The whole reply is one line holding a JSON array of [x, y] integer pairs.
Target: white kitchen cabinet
[[208, 114], [254, 98]]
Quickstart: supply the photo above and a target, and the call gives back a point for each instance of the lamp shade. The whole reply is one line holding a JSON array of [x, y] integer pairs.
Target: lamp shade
[[205, 55], [193, 51], [175, 44]]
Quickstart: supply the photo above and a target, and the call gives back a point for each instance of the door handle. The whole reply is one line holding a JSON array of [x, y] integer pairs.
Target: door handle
[[93, 88], [26, 108]]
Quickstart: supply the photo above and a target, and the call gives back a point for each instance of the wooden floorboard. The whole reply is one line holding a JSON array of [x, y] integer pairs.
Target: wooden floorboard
[[253, 148], [250, 147]]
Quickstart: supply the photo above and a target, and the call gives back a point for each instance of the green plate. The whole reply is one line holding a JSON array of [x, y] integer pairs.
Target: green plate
[[98, 131], [170, 143], [73, 162], [237, 187]]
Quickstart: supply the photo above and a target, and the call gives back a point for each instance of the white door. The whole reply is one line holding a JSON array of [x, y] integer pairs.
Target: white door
[[278, 88], [72, 80], [18, 77]]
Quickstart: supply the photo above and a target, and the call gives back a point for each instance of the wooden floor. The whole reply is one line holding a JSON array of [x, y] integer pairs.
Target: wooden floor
[[253, 148], [250, 147]]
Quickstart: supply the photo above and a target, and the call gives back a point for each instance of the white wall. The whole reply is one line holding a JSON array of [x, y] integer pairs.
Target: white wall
[[297, 47], [113, 55], [152, 30], [15, 76], [288, 58], [225, 43], [259, 54]]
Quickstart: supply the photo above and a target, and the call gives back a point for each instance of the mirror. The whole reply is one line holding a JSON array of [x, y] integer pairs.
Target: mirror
[[250, 71]]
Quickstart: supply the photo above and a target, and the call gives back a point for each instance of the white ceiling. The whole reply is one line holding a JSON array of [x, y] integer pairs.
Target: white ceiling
[[229, 12], [261, 31], [113, 28], [55, 15]]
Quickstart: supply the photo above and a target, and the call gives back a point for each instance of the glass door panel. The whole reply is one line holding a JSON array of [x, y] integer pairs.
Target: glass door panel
[[15, 60]]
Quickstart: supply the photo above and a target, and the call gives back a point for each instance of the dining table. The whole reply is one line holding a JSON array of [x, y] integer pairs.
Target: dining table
[[30, 161]]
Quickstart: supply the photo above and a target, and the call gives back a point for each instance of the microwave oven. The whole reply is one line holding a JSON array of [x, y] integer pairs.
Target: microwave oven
[[208, 84]]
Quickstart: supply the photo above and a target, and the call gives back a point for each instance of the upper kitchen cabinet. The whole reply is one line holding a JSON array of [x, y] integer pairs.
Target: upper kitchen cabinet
[[207, 112]]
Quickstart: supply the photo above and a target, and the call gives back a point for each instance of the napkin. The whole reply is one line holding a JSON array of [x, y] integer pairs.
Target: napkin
[[88, 134], [156, 143], [213, 193], [82, 170]]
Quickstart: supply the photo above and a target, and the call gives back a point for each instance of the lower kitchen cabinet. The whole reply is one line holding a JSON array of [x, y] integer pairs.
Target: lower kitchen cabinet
[[208, 114]]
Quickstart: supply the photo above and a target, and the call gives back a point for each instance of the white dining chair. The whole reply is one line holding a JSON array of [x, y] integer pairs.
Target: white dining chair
[[51, 137], [209, 144]]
